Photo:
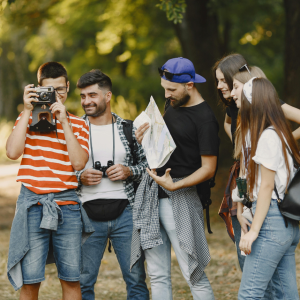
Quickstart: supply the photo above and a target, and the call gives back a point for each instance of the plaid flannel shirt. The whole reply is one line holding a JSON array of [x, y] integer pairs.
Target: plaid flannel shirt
[[189, 223], [137, 170]]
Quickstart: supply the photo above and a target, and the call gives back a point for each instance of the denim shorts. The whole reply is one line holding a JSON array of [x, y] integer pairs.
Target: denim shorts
[[65, 242]]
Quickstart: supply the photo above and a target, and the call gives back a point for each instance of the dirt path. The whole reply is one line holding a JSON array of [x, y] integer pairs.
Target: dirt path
[[9, 191]]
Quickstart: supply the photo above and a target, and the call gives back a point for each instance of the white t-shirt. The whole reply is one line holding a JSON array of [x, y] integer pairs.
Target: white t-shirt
[[102, 141], [269, 154]]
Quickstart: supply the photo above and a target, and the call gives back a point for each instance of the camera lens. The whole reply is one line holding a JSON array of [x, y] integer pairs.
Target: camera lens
[[44, 97], [98, 165], [110, 163]]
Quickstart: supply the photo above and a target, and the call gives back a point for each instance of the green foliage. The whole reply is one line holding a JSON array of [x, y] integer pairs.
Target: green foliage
[[174, 9], [257, 31], [123, 38], [128, 40]]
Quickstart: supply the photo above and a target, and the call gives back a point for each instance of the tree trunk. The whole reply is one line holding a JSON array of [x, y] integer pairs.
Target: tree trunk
[[292, 53], [199, 38]]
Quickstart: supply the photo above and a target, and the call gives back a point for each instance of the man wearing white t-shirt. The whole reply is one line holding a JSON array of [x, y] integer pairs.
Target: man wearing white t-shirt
[[107, 187]]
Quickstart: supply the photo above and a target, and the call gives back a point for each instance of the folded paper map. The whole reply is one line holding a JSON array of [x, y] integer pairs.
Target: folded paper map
[[157, 143]]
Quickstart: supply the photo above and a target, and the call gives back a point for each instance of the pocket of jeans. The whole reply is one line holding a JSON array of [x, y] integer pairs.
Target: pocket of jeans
[[129, 207], [278, 232], [73, 207]]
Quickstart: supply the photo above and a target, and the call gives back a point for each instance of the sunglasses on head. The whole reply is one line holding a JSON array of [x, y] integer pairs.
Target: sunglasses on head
[[170, 75], [244, 67]]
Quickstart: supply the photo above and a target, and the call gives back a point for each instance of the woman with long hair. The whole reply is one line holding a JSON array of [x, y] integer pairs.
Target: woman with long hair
[[270, 245], [224, 70]]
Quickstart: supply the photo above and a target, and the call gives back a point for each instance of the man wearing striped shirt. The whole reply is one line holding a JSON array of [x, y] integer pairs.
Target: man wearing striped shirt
[[48, 208]]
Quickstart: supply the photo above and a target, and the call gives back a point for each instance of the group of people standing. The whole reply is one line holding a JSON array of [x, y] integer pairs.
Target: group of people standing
[[256, 122], [101, 157]]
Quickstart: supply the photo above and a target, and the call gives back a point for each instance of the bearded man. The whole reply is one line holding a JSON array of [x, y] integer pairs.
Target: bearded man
[[179, 216], [106, 187]]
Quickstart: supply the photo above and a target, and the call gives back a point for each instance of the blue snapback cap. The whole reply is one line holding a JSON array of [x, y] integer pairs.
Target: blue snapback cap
[[184, 69]]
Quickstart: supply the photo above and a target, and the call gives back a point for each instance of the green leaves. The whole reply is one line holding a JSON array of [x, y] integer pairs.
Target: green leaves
[[174, 9]]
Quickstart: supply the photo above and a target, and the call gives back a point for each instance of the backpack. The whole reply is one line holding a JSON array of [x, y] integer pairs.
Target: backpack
[[203, 188], [127, 129]]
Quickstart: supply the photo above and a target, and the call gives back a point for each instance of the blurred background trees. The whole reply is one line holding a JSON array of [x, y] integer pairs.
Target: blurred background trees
[[130, 39]]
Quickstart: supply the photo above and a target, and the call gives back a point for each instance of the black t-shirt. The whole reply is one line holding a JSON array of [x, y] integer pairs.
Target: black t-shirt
[[195, 133], [232, 112]]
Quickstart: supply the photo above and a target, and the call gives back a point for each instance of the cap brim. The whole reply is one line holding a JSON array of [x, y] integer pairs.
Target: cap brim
[[199, 79]]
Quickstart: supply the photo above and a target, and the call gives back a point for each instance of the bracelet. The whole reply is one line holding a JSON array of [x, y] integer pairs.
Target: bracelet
[[130, 172]]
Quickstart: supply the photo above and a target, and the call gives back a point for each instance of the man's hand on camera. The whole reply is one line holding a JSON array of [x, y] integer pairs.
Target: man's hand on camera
[[29, 92], [139, 134], [118, 172], [59, 110], [91, 177]]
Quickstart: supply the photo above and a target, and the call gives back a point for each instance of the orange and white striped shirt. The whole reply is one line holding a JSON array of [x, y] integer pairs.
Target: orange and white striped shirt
[[45, 166]]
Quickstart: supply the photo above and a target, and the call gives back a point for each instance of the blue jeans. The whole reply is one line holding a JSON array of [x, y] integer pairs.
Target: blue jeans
[[66, 241], [119, 231], [237, 236], [159, 260], [272, 258]]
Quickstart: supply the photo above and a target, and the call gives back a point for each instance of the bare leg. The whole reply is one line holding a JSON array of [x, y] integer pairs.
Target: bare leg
[[71, 290], [30, 291]]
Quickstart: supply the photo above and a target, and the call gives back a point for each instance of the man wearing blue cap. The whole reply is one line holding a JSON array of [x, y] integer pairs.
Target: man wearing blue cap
[[194, 129]]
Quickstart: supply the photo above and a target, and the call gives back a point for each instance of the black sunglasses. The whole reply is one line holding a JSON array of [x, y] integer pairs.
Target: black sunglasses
[[243, 68], [169, 75]]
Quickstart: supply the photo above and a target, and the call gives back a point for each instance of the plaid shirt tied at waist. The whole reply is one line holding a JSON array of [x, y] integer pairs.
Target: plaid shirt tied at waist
[[189, 222]]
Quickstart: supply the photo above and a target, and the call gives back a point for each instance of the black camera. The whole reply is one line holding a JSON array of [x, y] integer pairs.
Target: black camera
[[42, 119], [103, 168], [46, 94]]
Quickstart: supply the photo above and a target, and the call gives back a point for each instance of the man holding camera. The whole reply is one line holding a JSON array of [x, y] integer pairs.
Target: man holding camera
[[107, 187], [49, 216], [176, 210]]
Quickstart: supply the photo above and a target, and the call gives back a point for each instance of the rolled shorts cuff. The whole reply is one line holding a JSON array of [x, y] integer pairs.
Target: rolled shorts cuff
[[32, 281], [71, 279]]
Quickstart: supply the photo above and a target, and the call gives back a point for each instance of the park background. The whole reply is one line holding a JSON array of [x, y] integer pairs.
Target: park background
[[129, 40]]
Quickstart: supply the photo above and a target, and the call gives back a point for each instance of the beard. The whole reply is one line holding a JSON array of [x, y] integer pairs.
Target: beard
[[99, 110], [176, 103]]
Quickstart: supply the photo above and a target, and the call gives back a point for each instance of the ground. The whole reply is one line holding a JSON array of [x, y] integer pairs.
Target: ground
[[223, 271]]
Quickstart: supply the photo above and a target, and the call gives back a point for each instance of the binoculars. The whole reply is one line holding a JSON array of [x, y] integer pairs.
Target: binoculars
[[103, 168]]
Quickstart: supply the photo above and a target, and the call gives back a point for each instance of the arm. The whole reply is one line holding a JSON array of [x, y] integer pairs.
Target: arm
[[16, 141], [78, 157], [292, 114], [227, 126], [262, 207], [207, 171]]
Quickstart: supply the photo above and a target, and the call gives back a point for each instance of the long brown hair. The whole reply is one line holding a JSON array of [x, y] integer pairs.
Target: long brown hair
[[229, 65], [243, 77], [264, 111]]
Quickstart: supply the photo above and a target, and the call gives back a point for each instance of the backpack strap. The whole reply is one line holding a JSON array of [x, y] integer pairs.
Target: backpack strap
[[127, 129]]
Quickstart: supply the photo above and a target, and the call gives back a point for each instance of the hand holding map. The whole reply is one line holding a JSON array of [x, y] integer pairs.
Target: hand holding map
[[157, 143]]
